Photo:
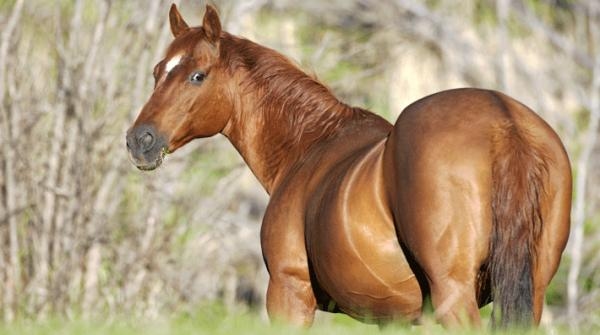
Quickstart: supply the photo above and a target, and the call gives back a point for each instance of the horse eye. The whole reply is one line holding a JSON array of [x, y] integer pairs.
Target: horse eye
[[197, 77]]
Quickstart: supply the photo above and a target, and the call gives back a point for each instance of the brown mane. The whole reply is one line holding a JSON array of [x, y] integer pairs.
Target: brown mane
[[303, 110]]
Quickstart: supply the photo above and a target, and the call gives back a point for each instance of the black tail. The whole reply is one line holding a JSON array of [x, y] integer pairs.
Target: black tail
[[518, 175]]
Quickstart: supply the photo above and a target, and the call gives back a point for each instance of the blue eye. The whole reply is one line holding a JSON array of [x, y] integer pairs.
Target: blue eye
[[197, 77]]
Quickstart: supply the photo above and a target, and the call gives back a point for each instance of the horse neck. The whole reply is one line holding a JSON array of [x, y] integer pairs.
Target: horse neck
[[280, 115]]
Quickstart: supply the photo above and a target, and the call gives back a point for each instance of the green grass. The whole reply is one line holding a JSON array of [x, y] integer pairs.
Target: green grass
[[233, 325], [213, 320]]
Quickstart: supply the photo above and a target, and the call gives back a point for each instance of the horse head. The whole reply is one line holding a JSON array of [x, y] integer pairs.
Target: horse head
[[191, 95]]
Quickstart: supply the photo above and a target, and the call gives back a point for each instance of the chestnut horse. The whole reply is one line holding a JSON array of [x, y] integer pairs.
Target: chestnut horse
[[466, 199]]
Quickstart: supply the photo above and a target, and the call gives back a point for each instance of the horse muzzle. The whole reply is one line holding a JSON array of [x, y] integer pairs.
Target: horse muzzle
[[146, 147]]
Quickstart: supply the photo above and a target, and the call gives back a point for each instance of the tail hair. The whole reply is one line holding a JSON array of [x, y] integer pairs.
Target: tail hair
[[518, 175]]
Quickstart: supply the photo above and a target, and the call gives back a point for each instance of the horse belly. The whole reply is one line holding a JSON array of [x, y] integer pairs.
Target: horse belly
[[364, 271], [355, 253]]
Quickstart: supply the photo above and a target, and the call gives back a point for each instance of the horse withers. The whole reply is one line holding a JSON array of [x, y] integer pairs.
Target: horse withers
[[466, 199]]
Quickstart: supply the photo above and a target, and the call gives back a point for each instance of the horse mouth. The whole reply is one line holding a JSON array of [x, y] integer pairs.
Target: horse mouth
[[149, 166]]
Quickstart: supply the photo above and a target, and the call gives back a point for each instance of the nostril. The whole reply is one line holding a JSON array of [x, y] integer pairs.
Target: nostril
[[146, 141]]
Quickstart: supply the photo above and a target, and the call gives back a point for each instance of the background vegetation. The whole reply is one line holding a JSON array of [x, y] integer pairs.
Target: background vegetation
[[85, 235]]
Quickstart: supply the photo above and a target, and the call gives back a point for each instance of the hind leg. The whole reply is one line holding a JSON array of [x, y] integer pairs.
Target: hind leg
[[452, 276], [552, 243], [446, 227], [450, 252], [454, 302]]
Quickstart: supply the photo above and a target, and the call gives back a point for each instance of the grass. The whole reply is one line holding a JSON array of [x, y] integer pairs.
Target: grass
[[233, 325], [215, 321]]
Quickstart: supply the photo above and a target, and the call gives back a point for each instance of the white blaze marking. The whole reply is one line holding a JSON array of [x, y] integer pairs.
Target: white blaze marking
[[173, 62]]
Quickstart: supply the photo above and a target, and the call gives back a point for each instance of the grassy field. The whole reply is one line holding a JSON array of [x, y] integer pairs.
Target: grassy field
[[215, 322]]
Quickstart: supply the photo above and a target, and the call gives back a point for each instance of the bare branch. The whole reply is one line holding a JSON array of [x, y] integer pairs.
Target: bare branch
[[11, 284], [580, 214]]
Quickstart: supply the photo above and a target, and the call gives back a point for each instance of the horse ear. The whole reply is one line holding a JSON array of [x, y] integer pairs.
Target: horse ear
[[212, 25], [178, 25]]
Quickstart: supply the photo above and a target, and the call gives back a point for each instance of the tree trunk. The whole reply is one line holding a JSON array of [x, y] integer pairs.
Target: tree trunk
[[12, 276], [581, 182]]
